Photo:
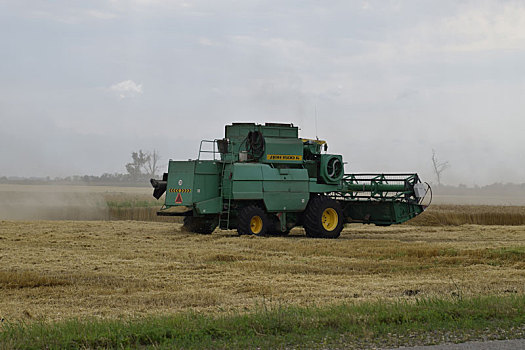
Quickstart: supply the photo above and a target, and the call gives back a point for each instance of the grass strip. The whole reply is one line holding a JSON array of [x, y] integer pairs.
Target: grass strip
[[342, 325]]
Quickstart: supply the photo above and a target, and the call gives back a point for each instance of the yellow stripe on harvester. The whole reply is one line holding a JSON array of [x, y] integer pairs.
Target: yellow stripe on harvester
[[179, 190], [284, 157]]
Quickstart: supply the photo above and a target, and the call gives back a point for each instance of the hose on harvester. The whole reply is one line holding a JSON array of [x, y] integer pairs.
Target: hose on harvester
[[255, 144]]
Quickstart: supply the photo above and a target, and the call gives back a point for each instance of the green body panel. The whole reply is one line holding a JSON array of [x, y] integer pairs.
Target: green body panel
[[246, 181], [210, 206], [285, 189], [195, 180], [380, 213], [285, 180], [206, 183], [283, 151], [273, 134], [247, 172], [180, 181], [290, 201], [238, 131], [280, 189]]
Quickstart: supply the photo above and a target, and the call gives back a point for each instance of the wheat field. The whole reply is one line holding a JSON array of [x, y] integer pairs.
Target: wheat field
[[52, 270]]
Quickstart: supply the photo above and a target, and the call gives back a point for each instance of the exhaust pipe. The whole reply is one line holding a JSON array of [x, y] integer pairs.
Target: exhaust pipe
[[159, 186]]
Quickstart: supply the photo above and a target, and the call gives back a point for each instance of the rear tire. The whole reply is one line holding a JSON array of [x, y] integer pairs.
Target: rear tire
[[323, 218], [252, 220], [203, 226]]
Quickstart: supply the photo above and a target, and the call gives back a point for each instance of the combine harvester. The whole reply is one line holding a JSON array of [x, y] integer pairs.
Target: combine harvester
[[264, 179]]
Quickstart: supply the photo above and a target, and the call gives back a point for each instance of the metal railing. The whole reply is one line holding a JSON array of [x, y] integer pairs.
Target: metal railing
[[213, 151]]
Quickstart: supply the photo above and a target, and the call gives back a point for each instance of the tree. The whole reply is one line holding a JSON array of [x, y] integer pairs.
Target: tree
[[139, 162], [152, 165], [144, 164], [439, 167]]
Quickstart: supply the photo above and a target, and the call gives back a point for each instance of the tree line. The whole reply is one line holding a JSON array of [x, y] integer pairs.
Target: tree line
[[144, 165]]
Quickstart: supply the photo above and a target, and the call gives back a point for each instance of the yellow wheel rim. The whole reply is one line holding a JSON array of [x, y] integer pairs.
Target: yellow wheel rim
[[256, 225], [330, 219]]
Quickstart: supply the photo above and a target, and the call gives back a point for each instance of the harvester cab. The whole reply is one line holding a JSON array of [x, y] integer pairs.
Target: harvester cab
[[264, 179]]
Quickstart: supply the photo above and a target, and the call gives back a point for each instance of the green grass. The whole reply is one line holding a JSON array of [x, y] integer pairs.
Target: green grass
[[349, 325]]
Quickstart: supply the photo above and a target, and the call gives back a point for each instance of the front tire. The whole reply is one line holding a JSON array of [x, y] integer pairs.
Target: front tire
[[252, 221], [323, 218], [203, 226]]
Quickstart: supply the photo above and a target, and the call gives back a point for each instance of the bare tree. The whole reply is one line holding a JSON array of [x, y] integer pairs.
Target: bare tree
[[152, 165], [439, 167]]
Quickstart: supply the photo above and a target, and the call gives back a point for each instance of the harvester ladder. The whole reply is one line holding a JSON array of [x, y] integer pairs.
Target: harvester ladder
[[228, 210], [225, 162]]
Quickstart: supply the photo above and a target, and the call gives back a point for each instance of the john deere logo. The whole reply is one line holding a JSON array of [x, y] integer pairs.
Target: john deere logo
[[293, 157]]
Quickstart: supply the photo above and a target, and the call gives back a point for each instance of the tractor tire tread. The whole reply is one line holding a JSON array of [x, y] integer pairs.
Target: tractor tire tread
[[313, 214], [203, 226], [244, 220]]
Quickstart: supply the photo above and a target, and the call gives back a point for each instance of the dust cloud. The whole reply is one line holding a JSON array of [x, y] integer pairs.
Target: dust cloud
[[19, 202]]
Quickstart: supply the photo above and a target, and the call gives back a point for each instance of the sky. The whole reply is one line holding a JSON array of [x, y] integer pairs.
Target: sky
[[85, 83]]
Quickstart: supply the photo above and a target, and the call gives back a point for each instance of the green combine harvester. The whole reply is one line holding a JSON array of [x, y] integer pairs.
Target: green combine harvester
[[264, 179]]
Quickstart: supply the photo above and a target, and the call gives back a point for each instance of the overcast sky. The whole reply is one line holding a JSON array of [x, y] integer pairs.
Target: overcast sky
[[85, 83]]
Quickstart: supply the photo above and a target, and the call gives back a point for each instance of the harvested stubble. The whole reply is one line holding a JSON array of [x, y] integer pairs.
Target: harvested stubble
[[56, 270]]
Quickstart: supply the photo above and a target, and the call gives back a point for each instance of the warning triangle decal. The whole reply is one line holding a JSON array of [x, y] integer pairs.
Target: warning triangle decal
[[178, 199]]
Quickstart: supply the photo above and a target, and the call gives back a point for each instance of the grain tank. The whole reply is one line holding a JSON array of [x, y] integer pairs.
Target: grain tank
[[265, 179]]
